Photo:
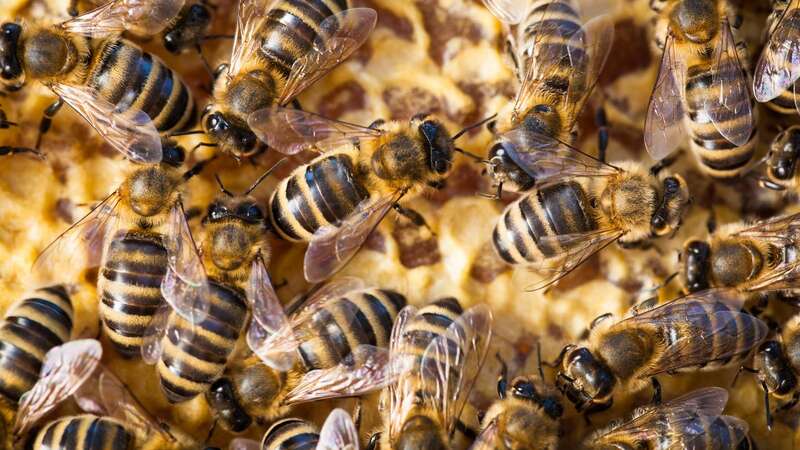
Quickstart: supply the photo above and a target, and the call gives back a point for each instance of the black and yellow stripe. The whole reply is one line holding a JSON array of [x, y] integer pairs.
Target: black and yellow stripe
[[429, 323], [322, 193], [129, 284], [31, 328], [84, 432], [291, 434]]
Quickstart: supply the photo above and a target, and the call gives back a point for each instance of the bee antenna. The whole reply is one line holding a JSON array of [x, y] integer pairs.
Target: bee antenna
[[263, 176], [222, 186], [186, 133], [473, 126]]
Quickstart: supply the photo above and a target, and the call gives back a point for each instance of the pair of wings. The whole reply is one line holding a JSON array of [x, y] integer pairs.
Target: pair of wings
[[778, 67], [679, 424], [442, 377], [338, 433], [729, 97], [708, 320]]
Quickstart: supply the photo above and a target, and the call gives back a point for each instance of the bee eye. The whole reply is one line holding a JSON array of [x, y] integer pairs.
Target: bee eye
[[253, 213], [174, 155], [217, 211]]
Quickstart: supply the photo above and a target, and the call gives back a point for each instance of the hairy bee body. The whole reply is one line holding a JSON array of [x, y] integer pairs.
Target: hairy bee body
[[777, 364], [85, 432], [189, 28], [291, 434]]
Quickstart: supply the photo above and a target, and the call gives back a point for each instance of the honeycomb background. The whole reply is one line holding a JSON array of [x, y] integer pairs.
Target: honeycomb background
[[441, 56]]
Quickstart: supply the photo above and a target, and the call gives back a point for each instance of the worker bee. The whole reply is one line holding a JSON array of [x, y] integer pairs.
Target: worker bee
[[280, 48], [336, 345], [693, 420], [702, 89], [781, 161], [138, 234], [130, 97], [701, 331], [777, 69], [580, 205], [748, 257], [338, 433], [437, 353], [559, 56]]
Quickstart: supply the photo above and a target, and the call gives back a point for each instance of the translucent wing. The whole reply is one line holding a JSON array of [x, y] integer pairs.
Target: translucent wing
[[250, 17], [711, 329], [185, 286], [781, 230], [339, 432], [116, 16], [244, 444], [154, 335], [487, 439], [291, 131], [663, 126], [365, 370], [120, 404], [778, 66], [337, 38], [401, 393], [730, 94], [735, 430], [64, 370], [590, 47], [332, 248], [130, 132], [509, 11], [270, 335], [452, 361]]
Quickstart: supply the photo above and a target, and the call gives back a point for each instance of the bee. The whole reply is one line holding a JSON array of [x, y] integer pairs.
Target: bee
[[702, 331], [754, 257], [777, 69], [437, 353], [338, 433], [190, 30], [336, 345], [693, 420], [280, 48], [781, 161], [138, 235], [702, 90], [130, 97], [559, 56], [580, 205]]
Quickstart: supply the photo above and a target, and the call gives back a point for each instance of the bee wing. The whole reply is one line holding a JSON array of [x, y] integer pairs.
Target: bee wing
[[730, 94], [778, 66], [244, 444], [154, 333], [337, 38], [402, 351], [366, 369], [508, 11], [291, 131], [450, 364], [250, 17], [591, 45], [546, 159], [487, 439], [331, 248], [185, 285], [130, 132], [118, 16], [121, 404], [338, 432], [663, 126], [86, 236], [781, 230], [65, 369], [736, 432], [709, 333]]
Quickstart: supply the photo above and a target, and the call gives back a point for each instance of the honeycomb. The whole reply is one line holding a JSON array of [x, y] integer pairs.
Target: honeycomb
[[439, 56]]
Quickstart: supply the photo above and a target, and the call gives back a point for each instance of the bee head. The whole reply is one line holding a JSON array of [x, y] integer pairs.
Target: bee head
[[232, 134], [695, 20], [525, 388], [584, 380], [222, 400], [10, 66], [783, 154], [439, 145], [774, 367], [503, 169], [421, 432], [185, 31], [235, 227], [696, 258], [668, 214]]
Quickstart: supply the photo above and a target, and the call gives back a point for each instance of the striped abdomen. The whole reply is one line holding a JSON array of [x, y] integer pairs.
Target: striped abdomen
[[560, 209], [30, 329], [291, 434], [712, 433], [359, 318], [84, 432], [129, 77], [785, 102], [324, 192], [194, 356], [129, 284], [718, 157]]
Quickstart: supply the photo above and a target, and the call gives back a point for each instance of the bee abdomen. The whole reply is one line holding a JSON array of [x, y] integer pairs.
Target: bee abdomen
[[194, 356], [130, 287], [525, 232], [31, 328], [129, 77], [84, 432], [720, 434], [291, 434], [360, 318], [327, 193]]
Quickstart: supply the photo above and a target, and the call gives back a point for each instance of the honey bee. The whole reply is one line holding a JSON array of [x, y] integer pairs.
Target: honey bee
[[777, 69], [139, 236], [437, 353], [702, 89], [280, 48], [781, 161], [130, 97], [701, 331], [190, 30], [580, 205], [338, 433], [754, 257], [693, 420], [559, 56], [336, 345]]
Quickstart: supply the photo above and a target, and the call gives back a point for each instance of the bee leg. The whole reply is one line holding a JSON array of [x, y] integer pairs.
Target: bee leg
[[656, 391], [47, 120], [502, 379], [711, 223], [296, 105], [202, 144], [7, 150], [601, 121], [357, 414], [197, 168], [415, 217], [664, 163], [465, 430], [218, 71], [374, 440]]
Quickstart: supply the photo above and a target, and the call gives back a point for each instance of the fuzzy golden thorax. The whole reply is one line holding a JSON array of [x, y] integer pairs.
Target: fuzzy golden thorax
[[629, 201], [697, 21], [149, 192], [234, 236], [419, 430]]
